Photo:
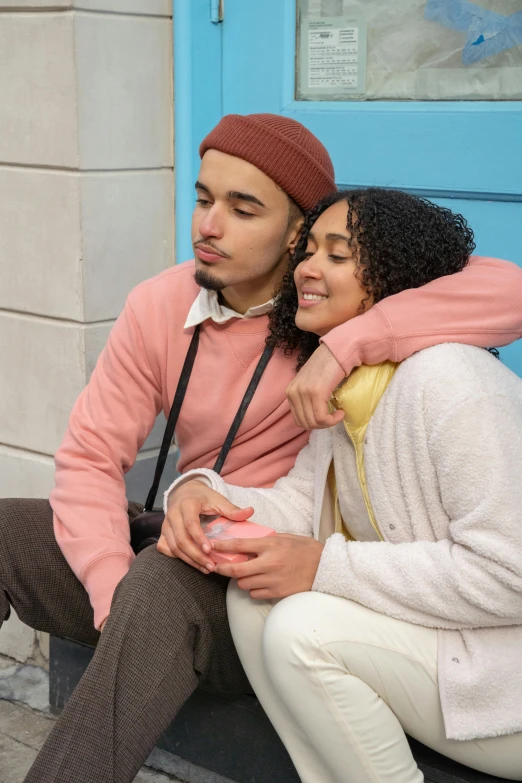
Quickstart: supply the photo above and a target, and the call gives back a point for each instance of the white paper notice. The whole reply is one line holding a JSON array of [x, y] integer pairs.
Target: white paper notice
[[333, 57]]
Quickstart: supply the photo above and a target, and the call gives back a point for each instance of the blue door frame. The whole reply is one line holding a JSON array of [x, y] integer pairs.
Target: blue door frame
[[198, 101], [464, 155]]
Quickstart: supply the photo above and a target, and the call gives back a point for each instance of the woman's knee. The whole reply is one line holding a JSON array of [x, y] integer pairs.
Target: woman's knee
[[301, 624], [289, 636]]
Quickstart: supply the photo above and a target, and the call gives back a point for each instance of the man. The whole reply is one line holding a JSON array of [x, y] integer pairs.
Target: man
[[164, 621]]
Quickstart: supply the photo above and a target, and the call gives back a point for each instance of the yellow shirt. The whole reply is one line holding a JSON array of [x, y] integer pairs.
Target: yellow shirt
[[358, 396]]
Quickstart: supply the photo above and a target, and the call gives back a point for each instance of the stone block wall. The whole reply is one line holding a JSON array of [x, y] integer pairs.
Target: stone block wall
[[86, 213]]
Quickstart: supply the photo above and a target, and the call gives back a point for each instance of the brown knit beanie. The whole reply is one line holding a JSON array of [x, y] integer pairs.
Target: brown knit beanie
[[281, 148]]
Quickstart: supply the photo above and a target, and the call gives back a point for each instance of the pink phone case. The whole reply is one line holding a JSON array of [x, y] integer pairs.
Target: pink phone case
[[221, 529]]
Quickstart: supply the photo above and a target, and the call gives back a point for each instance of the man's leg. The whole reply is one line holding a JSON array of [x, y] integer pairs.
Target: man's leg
[[35, 578], [167, 629]]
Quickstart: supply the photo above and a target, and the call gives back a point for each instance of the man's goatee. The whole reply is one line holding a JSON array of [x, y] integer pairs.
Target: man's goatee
[[206, 280]]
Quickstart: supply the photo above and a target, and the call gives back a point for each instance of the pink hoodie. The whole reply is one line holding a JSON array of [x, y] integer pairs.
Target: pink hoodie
[[137, 374]]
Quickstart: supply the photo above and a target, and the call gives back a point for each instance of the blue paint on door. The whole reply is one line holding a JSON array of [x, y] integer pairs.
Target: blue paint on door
[[466, 155]]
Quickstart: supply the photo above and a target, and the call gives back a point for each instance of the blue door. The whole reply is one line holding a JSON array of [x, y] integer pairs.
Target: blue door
[[336, 65]]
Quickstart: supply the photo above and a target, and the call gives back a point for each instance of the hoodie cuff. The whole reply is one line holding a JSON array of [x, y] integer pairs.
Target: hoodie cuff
[[367, 339], [101, 578]]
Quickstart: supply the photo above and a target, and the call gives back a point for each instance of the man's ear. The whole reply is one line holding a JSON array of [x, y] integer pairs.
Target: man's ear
[[294, 233]]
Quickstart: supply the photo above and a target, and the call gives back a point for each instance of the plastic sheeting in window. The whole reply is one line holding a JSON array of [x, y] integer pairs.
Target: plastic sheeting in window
[[432, 49]]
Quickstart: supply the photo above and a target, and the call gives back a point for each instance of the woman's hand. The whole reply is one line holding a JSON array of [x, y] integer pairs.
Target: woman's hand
[[284, 564], [311, 389], [182, 535]]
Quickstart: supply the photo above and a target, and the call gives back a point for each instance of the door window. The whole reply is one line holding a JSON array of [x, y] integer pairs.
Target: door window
[[409, 50]]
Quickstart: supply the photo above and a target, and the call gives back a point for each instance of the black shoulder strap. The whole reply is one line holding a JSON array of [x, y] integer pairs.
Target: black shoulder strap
[[245, 402], [173, 417], [176, 407]]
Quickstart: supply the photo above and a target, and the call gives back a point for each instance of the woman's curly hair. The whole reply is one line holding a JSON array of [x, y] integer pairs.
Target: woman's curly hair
[[399, 241]]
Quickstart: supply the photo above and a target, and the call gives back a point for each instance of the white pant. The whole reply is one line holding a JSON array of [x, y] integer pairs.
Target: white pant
[[341, 684]]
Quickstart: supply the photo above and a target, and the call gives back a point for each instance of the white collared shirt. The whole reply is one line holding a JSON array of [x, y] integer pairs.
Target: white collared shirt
[[207, 305]]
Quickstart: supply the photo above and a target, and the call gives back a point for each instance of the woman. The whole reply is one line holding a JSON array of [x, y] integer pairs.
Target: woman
[[410, 618]]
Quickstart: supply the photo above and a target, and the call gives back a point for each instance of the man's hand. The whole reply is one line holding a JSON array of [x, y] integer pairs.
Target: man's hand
[[283, 564], [311, 389], [182, 535]]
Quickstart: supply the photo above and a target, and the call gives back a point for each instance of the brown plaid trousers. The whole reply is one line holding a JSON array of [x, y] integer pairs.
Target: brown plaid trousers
[[167, 630]]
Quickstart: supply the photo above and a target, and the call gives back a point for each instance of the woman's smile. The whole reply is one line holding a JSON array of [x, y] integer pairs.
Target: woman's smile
[[329, 293], [308, 297]]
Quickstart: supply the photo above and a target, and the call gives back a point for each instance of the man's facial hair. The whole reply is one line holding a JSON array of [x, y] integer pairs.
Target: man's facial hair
[[205, 280]]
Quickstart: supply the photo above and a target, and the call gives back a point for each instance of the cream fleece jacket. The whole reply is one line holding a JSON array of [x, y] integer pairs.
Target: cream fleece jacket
[[442, 454]]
